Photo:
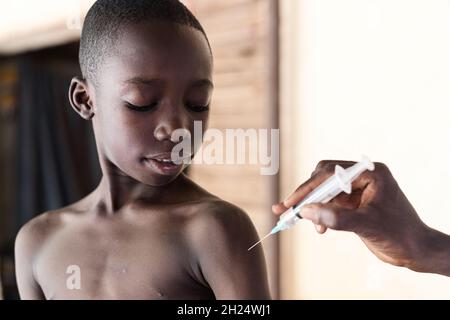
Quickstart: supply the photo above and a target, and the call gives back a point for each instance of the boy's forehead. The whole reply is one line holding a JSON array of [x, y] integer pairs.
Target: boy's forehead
[[161, 48]]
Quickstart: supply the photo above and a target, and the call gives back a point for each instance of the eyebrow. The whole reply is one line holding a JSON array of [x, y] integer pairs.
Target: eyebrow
[[148, 81], [140, 80]]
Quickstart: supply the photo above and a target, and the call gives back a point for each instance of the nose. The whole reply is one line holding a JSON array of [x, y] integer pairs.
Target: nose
[[170, 120]]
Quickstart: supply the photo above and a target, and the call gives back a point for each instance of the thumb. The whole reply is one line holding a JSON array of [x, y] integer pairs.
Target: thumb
[[332, 216]]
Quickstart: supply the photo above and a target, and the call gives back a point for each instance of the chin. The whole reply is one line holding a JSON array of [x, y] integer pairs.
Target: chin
[[159, 181], [156, 176]]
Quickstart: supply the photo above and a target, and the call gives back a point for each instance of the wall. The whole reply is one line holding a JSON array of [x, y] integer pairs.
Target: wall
[[30, 25], [8, 156], [365, 77]]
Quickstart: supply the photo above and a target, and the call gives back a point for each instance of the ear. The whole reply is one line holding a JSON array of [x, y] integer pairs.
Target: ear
[[79, 98]]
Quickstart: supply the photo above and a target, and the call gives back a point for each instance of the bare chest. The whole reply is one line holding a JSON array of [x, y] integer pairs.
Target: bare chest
[[128, 263]]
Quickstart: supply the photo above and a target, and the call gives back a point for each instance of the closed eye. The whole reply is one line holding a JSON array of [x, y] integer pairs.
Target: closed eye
[[141, 108], [199, 108]]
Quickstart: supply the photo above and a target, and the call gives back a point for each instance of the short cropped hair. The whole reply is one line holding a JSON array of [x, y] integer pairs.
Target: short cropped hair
[[106, 18]]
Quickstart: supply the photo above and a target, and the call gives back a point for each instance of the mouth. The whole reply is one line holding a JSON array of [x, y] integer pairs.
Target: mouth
[[163, 164], [164, 160]]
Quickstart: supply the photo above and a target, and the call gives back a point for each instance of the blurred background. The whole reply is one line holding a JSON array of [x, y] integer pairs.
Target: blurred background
[[340, 78]]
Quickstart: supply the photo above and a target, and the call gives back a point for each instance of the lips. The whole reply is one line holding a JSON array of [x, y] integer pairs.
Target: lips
[[162, 156], [162, 163]]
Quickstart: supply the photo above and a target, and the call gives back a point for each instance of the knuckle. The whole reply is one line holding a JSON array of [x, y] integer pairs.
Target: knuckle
[[315, 173], [381, 167], [324, 166], [382, 174]]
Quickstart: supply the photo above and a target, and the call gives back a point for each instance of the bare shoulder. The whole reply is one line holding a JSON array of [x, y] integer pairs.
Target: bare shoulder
[[30, 241], [220, 224], [34, 234], [210, 210]]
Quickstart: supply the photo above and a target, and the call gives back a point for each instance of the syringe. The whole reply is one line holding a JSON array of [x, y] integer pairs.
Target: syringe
[[327, 190]]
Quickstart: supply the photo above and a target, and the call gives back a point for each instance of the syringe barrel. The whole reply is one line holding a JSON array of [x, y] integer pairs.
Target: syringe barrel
[[323, 193], [327, 190]]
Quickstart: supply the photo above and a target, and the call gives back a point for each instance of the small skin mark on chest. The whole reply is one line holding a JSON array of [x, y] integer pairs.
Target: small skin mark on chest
[[119, 269]]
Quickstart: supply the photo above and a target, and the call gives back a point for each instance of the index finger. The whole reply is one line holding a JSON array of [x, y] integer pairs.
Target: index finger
[[322, 174], [305, 188]]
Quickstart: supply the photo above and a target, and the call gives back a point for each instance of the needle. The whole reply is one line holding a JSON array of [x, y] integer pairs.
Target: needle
[[258, 242]]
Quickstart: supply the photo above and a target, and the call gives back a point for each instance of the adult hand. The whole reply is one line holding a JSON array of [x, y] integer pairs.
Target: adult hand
[[380, 214]]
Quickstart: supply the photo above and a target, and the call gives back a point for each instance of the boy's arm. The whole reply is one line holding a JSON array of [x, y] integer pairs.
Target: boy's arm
[[25, 247], [221, 238]]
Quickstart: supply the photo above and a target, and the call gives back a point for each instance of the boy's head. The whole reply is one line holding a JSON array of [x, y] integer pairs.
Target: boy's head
[[147, 71]]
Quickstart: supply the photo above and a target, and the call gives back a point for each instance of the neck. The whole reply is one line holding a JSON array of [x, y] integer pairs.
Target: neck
[[116, 191]]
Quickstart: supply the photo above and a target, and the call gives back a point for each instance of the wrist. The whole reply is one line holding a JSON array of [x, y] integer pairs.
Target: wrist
[[432, 253]]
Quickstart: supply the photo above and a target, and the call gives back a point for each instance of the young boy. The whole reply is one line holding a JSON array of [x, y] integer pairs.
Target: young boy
[[147, 231]]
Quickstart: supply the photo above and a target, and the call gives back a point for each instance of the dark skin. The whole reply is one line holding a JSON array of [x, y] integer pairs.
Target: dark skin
[[146, 232], [380, 214]]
